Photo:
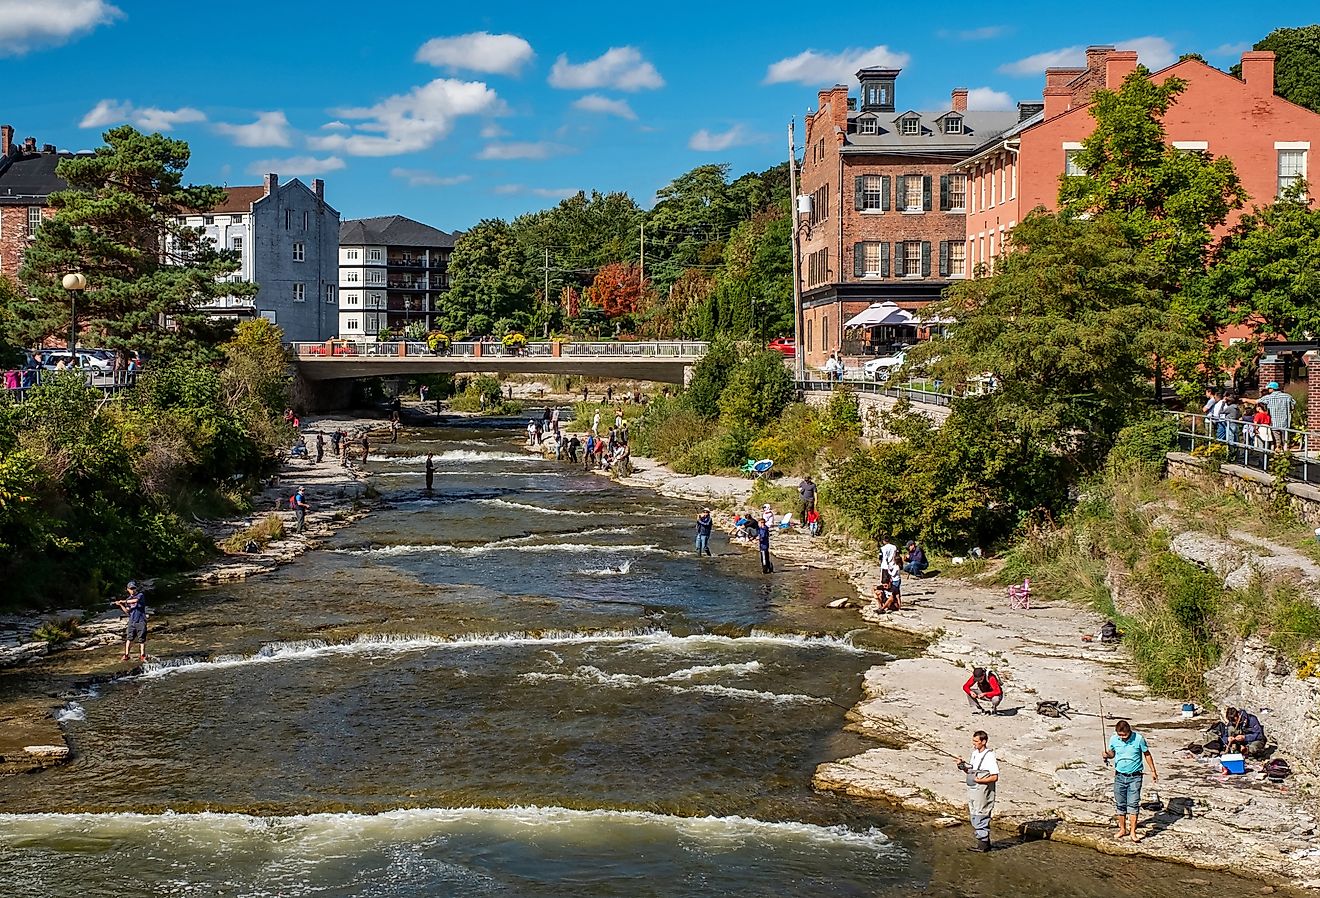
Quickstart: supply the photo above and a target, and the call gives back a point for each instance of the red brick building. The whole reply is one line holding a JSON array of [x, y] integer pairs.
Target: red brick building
[[27, 179], [1268, 138], [882, 213]]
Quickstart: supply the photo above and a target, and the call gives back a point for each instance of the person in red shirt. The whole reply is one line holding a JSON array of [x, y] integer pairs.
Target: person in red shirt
[[983, 685]]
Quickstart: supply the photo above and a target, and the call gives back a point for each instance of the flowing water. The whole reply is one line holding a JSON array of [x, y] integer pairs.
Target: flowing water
[[522, 684]]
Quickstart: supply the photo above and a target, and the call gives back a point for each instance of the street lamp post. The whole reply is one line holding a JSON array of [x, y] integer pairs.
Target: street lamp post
[[73, 283]]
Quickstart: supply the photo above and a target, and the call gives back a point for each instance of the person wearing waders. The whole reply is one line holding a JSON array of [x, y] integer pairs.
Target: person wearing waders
[[430, 470], [299, 510], [763, 543], [704, 523], [320, 447], [982, 772], [135, 606]]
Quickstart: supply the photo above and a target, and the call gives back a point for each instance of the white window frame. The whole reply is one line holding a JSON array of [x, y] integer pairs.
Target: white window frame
[[915, 182], [299, 251], [299, 293], [953, 125], [330, 294], [373, 255], [868, 248], [911, 258], [34, 219], [350, 277], [866, 126], [1201, 145], [351, 254], [910, 125], [868, 194], [1070, 151], [1281, 147], [960, 259], [351, 324], [958, 207]]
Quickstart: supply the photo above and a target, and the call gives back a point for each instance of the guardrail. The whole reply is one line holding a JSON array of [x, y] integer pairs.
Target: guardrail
[[658, 349], [907, 391], [108, 383], [1243, 444]]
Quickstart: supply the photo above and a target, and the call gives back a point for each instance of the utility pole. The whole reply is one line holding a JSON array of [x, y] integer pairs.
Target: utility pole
[[799, 358], [546, 333], [641, 257]]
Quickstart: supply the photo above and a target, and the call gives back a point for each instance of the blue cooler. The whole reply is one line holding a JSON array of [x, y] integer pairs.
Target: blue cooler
[[1233, 763]]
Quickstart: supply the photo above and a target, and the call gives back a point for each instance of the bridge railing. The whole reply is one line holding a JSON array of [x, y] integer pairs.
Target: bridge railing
[[913, 392], [657, 349], [1243, 443], [109, 383]]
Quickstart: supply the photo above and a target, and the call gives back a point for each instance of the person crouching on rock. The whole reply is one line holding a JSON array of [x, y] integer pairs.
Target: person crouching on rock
[[982, 771], [886, 599], [1239, 731], [983, 685]]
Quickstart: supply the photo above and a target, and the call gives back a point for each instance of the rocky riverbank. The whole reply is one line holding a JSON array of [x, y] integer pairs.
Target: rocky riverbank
[[1053, 783]]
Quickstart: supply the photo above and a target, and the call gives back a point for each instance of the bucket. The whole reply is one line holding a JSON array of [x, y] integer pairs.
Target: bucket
[[1188, 711], [1233, 763]]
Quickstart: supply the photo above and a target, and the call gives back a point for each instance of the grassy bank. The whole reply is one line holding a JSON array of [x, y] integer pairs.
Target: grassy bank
[[1112, 553]]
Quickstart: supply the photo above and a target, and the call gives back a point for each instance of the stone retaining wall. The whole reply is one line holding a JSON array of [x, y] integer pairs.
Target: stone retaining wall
[[1303, 498], [877, 403]]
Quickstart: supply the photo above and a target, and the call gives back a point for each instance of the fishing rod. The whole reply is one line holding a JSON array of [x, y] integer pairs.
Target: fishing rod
[[1104, 744]]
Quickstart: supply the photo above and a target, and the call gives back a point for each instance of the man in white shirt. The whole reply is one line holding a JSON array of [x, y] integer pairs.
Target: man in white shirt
[[982, 772], [892, 562]]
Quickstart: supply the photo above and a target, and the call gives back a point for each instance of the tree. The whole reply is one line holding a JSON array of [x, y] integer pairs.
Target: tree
[[487, 279], [617, 289], [118, 224], [258, 367], [1070, 327], [1268, 269], [759, 388], [1296, 64], [692, 217], [710, 376]]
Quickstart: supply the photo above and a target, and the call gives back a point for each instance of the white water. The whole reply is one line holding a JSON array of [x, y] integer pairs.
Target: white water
[[505, 546], [594, 676], [385, 644], [618, 571], [539, 509], [71, 712], [455, 455]]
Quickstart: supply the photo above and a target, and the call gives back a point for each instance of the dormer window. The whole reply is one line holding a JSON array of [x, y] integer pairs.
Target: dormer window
[[911, 125], [953, 124], [866, 126]]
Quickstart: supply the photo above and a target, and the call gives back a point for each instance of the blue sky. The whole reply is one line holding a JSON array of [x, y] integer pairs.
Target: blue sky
[[451, 112]]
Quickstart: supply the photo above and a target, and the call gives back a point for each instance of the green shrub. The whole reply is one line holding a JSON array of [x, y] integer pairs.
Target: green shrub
[[57, 630], [263, 532], [710, 376], [1145, 442], [758, 390], [482, 394], [842, 415]]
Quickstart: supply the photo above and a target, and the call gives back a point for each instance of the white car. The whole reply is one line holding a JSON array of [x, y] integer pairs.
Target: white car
[[881, 369]]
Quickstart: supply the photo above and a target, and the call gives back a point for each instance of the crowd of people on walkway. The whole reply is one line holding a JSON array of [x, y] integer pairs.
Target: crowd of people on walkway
[[1264, 424]]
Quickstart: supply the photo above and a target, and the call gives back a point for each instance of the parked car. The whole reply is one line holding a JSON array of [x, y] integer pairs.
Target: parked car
[[881, 369], [784, 345]]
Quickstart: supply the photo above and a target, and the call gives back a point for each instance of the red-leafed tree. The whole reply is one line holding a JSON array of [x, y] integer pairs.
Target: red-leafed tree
[[570, 302], [617, 289]]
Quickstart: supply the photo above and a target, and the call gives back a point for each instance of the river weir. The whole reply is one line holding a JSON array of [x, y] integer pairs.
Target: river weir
[[523, 683]]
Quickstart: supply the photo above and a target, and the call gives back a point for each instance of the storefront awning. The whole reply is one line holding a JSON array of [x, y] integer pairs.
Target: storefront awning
[[880, 313]]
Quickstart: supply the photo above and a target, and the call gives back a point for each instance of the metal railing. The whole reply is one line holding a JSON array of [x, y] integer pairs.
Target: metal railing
[[109, 383], [909, 391], [469, 348], [1242, 444]]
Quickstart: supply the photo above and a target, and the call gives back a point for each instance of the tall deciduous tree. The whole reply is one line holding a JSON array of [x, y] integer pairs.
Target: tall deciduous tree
[[488, 281], [1296, 64], [617, 290], [118, 224]]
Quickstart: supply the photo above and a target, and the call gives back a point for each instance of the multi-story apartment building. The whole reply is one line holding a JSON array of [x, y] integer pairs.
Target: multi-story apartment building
[[392, 271], [27, 179], [287, 239], [1268, 138], [882, 207]]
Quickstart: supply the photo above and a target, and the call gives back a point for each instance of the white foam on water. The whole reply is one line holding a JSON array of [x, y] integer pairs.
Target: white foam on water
[[512, 544], [387, 643], [673, 683], [622, 569], [539, 509], [70, 713], [421, 472], [467, 455], [330, 834]]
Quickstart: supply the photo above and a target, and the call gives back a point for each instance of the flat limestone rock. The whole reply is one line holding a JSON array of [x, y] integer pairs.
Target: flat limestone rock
[[48, 752]]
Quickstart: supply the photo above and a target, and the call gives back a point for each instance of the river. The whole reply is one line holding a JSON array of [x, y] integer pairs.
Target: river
[[524, 684]]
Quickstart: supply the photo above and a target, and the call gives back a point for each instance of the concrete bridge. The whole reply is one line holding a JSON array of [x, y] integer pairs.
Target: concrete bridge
[[664, 361]]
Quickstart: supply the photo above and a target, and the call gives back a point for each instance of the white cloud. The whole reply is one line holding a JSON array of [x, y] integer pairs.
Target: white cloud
[[26, 25], [714, 142], [417, 177], [148, 118], [984, 33], [480, 51], [620, 68], [1152, 52], [553, 193], [521, 150], [605, 106], [296, 165], [820, 69], [406, 123], [1234, 50], [985, 99], [335, 126], [271, 129], [493, 130]]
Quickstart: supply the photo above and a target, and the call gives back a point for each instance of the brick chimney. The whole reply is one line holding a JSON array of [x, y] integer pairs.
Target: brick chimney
[[1258, 72], [29, 144], [958, 99], [1096, 56], [1118, 65], [1060, 77], [1058, 100], [271, 182], [6, 139], [318, 188]]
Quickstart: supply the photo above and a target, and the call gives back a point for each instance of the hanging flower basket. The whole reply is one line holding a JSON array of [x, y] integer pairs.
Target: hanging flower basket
[[438, 342], [514, 342]]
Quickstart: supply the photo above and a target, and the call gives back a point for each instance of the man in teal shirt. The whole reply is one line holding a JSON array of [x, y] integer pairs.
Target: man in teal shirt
[[1131, 756]]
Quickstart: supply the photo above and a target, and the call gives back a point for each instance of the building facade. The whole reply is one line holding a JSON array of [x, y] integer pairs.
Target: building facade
[[287, 240], [27, 179], [392, 271], [881, 211], [1268, 138]]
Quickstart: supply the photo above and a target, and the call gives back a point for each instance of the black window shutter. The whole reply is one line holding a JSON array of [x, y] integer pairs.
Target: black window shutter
[[859, 268], [925, 192], [900, 192], [944, 193], [884, 260], [925, 253], [898, 259], [884, 193], [857, 193], [944, 258]]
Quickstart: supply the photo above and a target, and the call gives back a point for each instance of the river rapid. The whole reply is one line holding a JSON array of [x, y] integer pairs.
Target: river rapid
[[523, 684]]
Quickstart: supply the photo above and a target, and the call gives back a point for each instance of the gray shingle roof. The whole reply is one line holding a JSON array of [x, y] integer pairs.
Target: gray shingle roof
[[392, 230], [29, 178], [978, 127]]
